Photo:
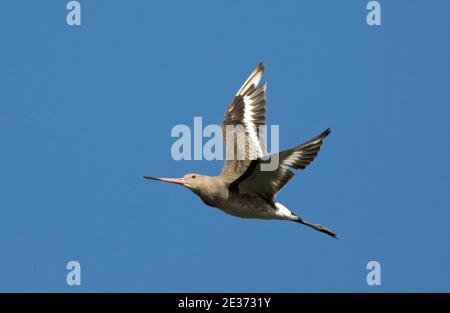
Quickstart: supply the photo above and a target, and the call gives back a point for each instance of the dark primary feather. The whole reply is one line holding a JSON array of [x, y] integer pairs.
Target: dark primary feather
[[245, 114], [256, 180]]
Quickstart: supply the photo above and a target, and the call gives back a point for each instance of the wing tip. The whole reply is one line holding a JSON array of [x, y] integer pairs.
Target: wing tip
[[252, 80], [322, 135], [260, 66]]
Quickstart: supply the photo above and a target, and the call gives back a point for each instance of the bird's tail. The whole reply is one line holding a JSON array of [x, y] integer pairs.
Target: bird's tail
[[318, 227]]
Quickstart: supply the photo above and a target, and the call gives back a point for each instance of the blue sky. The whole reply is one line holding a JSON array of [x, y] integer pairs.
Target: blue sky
[[86, 111]]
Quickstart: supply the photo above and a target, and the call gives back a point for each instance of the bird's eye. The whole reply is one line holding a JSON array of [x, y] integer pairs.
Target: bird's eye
[[193, 176]]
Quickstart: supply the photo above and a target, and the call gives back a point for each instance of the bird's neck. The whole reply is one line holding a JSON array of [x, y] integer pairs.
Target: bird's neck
[[214, 193]]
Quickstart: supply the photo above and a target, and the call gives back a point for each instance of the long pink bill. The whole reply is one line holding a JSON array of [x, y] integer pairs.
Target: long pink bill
[[178, 181]]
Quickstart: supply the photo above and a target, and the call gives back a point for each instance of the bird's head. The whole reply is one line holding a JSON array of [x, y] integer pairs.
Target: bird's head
[[194, 181]]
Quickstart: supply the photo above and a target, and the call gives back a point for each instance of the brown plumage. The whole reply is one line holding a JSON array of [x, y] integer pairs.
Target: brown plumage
[[245, 188], [237, 131]]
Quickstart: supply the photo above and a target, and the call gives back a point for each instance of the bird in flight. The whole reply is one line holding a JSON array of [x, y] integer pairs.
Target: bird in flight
[[245, 188]]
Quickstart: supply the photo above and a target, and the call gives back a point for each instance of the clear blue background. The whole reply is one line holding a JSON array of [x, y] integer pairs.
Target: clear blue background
[[86, 111]]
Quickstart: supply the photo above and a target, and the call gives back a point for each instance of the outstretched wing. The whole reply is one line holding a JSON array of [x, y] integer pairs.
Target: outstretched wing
[[241, 129], [256, 180]]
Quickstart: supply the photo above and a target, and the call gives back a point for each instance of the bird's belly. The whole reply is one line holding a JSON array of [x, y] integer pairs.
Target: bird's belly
[[249, 208]]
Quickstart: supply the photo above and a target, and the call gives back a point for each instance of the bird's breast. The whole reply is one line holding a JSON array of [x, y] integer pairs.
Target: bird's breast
[[248, 207]]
